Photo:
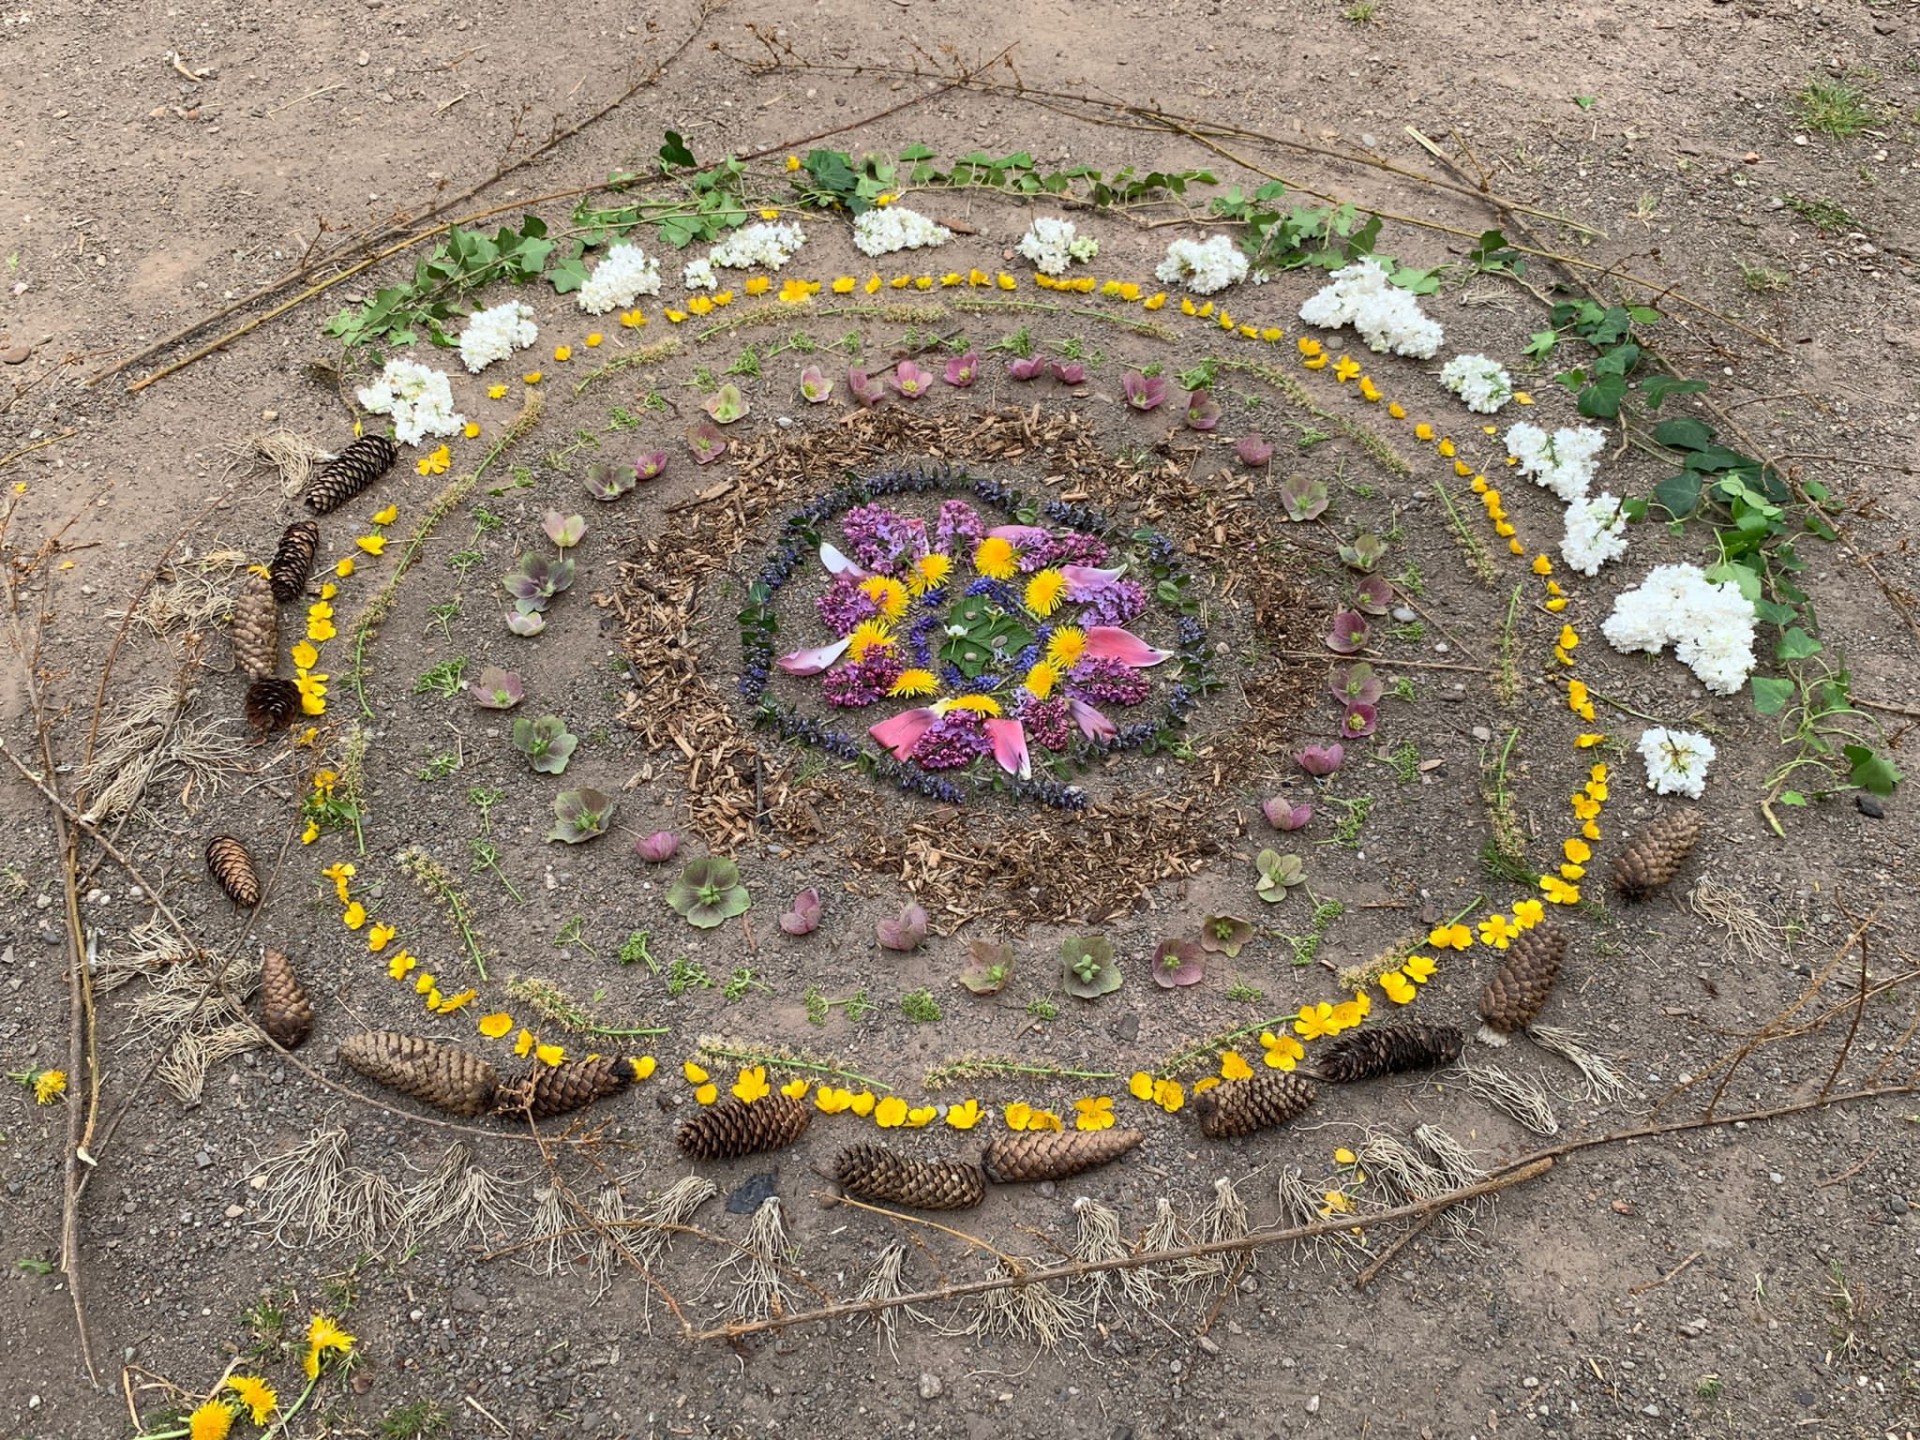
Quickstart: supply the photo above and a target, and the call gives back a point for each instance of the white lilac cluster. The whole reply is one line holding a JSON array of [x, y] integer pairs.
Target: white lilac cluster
[[1381, 313], [1481, 382], [1203, 266], [1564, 461], [1710, 625], [698, 275], [495, 333], [1052, 245], [758, 247], [1677, 761], [623, 275], [882, 231], [419, 400], [1596, 533]]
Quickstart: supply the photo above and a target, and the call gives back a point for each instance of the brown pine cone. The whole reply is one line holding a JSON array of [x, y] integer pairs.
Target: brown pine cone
[[1389, 1050], [1655, 855], [272, 704], [444, 1076], [549, 1090], [1240, 1107], [255, 632], [1524, 981], [1054, 1154], [355, 468], [231, 865], [873, 1172], [285, 1011], [292, 560], [734, 1127]]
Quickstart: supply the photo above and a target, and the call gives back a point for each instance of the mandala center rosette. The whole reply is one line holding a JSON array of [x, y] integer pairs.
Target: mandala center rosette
[[972, 635]]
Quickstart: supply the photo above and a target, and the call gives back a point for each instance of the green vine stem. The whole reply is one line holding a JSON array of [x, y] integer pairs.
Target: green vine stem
[[978, 1067], [713, 1047]]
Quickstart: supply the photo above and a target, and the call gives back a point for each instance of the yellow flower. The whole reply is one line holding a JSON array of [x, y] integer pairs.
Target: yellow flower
[[313, 691], [320, 628], [532, 377], [696, 1074], [355, 917], [887, 593], [387, 515], [1346, 1015], [1497, 931], [1558, 891], [862, 1104], [423, 983], [930, 572], [1233, 1067], [379, 936], [952, 278], [329, 590], [1591, 830], [1204, 1084], [1065, 647], [256, 1394], [1450, 937], [1272, 335], [1576, 850], [643, 1067], [1313, 1021], [48, 1086], [1169, 1095], [1488, 496], [1338, 1203], [1396, 410], [324, 1335], [1504, 529], [874, 282], [1154, 302], [1308, 347], [400, 965], [345, 567], [496, 392], [1045, 592], [310, 834], [211, 1421], [707, 1093], [458, 1001], [829, 1101], [1282, 1051], [1006, 281], [913, 683], [1542, 565], [1599, 771], [496, 1025], [1368, 390], [372, 544], [842, 286], [1445, 447], [752, 1084], [1585, 807], [1597, 791], [899, 282], [1398, 988], [995, 558], [1569, 638], [1362, 1004], [594, 337], [975, 704], [632, 319], [699, 305], [1573, 872], [339, 874], [793, 163], [869, 635], [1589, 740], [1419, 969], [795, 1089], [1041, 679], [1318, 362], [1044, 1120], [1093, 1114], [1205, 312], [1528, 913], [523, 1044], [1344, 369], [1576, 695], [1521, 397], [1140, 1085], [434, 462], [1017, 1115], [921, 1116]]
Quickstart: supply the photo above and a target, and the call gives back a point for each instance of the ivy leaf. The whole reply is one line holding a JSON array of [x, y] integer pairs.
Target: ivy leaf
[[568, 275], [1796, 644], [675, 151], [1679, 494], [1540, 344], [1770, 695], [1601, 400], [1683, 434], [1656, 388], [1875, 774]]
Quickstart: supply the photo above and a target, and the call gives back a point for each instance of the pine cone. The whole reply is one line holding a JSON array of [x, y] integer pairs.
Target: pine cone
[[285, 1011], [734, 1128], [549, 1090], [256, 628], [292, 561], [1411, 1045], [873, 1172], [444, 1076], [1653, 856], [1054, 1154], [349, 472], [272, 704], [230, 864], [1240, 1107], [1523, 983]]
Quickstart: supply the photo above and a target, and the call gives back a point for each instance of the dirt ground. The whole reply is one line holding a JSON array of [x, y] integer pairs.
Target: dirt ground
[[164, 162]]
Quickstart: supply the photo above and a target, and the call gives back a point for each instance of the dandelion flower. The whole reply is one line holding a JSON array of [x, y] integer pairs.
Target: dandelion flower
[[994, 558], [49, 1086], [256, 1394], [1041, 679], [930, 572], [211, 1421], [914, 683], [324, 1335], [887, 593], [1066, 646], [1045, 591], [976, 705], [867, 636]]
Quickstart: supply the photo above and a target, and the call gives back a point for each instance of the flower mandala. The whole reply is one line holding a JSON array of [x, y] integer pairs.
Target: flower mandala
[[973, 635]]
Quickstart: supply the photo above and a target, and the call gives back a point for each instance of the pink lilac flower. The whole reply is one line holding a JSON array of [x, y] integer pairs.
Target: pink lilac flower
[[1108, 682], [884, 540], [1048, 723], [958, 528], [1115, 604], [1073, 548], [957, 738], [844, 605], [863, 682]]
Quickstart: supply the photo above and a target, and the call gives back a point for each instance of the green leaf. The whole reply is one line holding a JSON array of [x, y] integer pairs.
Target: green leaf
[[1656, 388], [1793, 798], [1773, 613], [1875, 774], [1540, 344], [1679, 494], [1771, 695], [1683, 434], [1796, 644], [1586, 102], [675, 151], [568, 276], [1601, 400]]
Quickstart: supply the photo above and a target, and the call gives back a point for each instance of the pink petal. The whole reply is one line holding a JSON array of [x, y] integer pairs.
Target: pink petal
[[903, 731], [1092, 723], [1110, 642], [1010, 746], [1084, 581], [1021, 537], [812, 662], [838, 564]]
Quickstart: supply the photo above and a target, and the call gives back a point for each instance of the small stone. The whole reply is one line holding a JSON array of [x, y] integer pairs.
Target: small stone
[[930, 1386], [1481, 732], [1313, 1405], [1532, 1382], [234, 1212], [1693, 1329], [1208, 1344], [202, 1160], [1127, 1028], [1402, 613], [1870, 807], [16, 355], [1898, 1204]]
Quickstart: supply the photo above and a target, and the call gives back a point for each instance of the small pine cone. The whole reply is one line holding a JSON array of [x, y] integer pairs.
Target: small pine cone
[[349, 472], [549, 1090], [1523, 983], [292, 562], [230, 864], [873, 1172], [272, 704], [1054, 1154], [734, 1127], [444, 1076], [1240, 1107], [1411, 1045], [285, 1011], [1655, 855], [256, 629]]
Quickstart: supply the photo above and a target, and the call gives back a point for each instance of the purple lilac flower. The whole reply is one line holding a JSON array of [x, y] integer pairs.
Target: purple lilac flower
[[958, 528], [1048, 723], [1115, 604], [957, 738], [1108, 682], [852, 686], [883, 540], [1072, 548], [844, 605]]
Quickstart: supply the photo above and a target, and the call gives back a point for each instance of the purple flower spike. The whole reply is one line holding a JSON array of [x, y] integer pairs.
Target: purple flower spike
[[1202, 412], [910, 380], [963, 370], [1356, 684], [1178, 962], [1321, 761], [815, 387], [863, 388], [657, 848], [1144, 392], [1253, 450], [1374, 594], [1026, 369], [650, 466], [1068, 374], [1359, 722], [706, 442], [1349, 633], [1282, 814]]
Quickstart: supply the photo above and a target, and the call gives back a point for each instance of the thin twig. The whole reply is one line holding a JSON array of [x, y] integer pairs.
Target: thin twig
[[1656, 1284]]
